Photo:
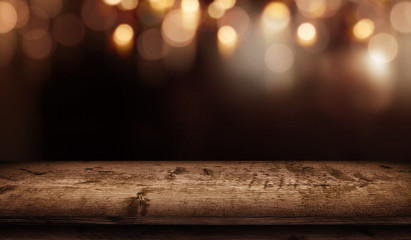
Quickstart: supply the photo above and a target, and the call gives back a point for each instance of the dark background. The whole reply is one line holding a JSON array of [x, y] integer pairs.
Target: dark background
[[103, 109], [87, 103]]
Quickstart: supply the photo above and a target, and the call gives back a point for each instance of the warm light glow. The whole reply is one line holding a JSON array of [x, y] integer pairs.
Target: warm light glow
[[318, 8], [216, 10], [276, 15], [307, 34], [227, 4], [227, 41], [363, 29], [227, 35], [401, 17], [8, 17], [279, 58], [179, 28], [37, 44], [382, 48], [128, 4], [23, 13], [52, 8], [190, 5], [238, 19], [112, 2], [373, 10], [123, 35], [312, 8], [97, 15], [150, 45], [161, 5]]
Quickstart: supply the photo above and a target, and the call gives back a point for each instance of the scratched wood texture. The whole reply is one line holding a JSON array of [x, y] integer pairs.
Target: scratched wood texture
[[213, 193]]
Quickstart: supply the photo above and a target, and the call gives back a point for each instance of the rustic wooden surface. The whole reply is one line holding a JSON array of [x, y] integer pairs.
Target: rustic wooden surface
[[228, 193]]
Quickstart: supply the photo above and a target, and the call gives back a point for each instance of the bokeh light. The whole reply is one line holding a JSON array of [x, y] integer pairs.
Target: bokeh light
[[51, 7], [363, 29], [306, 34], [23, 12], [179, 28], [383, 48], [8, 17], [68, 29], [227, 4], [123, 35], [97, 15], [312, 8], [276, 16], [318, 8], [38, 44], [190, 5], [112, 2], [373, 10], [160, 6], [227, 41], [401, 17], [151, 45], [238, 19], [128, 4], [279, 58], [216, 10]]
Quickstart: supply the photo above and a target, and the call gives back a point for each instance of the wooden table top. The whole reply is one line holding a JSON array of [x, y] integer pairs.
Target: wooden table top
[[211, 193]]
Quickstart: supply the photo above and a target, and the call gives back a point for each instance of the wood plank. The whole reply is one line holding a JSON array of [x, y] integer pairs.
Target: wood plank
[[215, 193]]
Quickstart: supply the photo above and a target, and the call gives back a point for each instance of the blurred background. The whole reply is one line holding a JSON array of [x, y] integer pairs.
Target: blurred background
[[205, 80]]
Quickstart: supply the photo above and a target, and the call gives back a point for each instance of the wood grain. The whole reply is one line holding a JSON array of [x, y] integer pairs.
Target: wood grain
[[227, 193]]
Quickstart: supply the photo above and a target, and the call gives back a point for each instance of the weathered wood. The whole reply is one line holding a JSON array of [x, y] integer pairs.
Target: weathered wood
[[205, 193]]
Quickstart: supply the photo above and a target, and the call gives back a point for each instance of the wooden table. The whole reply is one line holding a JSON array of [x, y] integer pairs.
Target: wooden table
[[328, 194]]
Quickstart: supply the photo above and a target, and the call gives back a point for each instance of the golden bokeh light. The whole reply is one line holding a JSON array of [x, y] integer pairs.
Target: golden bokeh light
[[373, 10], [38, 44], [190, 5], [51, 7], [227, 35], [179, 28], [227, 4], [123, 35], [312, 8], [216, 10], [112, 2], [161, 6], [363, 29], [382, 48], [238, 19], [151, 45], [306, 34], [68, 29], [279, 58], [23, 12], [8, 17], [227, 41], [318, 8], [276, 16], [97, 15], [128, 4], [123, 39], [401, 17]]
